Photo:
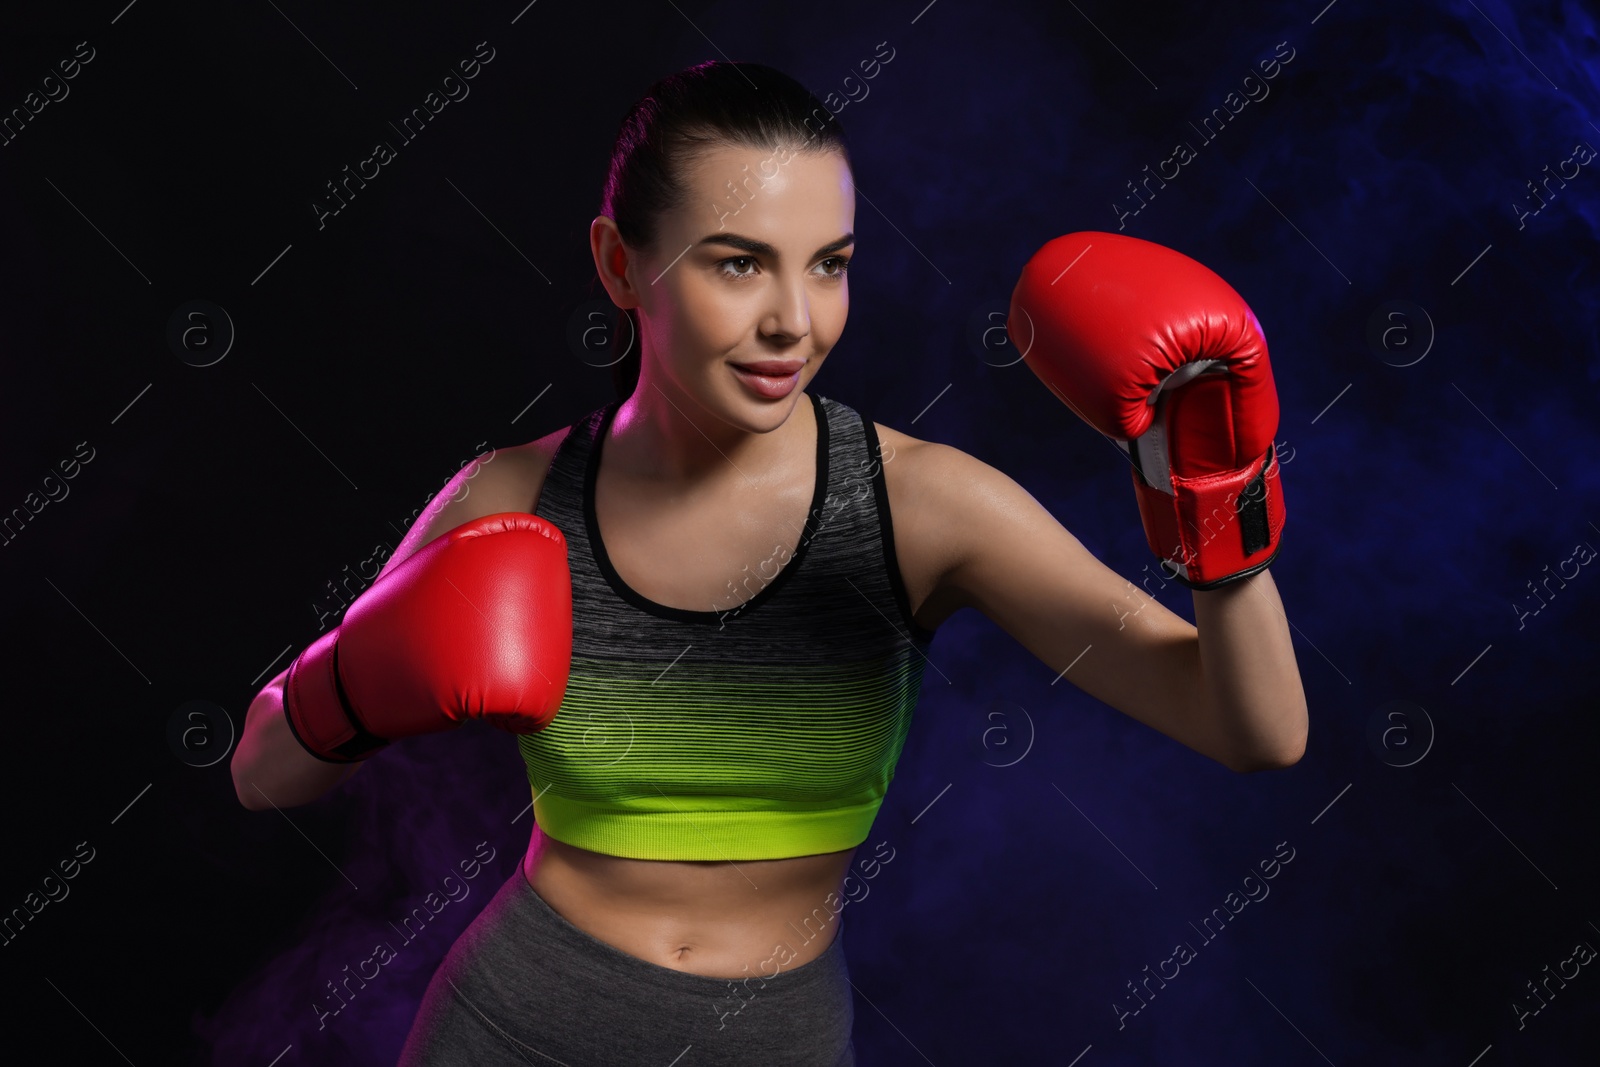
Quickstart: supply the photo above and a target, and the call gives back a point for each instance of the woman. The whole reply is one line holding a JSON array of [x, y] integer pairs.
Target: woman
[[757, 574]]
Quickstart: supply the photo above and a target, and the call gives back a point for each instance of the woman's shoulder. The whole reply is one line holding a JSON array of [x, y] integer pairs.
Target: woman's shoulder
[[912, 461], [928, 480], [523, 476], [500, 480], [893, 441], [922, 480]]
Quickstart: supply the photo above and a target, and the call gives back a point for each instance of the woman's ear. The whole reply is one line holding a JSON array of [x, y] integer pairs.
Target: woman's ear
[[612, 259]]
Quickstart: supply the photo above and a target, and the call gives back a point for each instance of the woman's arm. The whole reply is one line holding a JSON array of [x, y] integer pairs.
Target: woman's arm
[[1249, 672], [1228, 688], [270, 767]]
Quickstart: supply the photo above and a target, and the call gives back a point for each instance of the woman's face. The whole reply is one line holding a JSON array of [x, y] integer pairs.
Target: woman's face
[[749, 270]]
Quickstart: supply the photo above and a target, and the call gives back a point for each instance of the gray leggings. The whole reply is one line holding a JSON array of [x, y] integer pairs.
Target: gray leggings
[[523, 985]]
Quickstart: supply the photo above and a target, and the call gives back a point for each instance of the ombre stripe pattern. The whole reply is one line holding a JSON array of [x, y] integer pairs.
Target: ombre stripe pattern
[[760, 729]]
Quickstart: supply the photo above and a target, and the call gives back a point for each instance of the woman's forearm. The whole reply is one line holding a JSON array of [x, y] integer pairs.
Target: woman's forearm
[[270, 768], [1249, 672]]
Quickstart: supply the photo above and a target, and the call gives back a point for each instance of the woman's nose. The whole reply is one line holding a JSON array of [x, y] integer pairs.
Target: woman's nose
[[790, 313]]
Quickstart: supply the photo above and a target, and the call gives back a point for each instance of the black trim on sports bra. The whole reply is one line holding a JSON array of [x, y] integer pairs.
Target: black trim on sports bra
[[603, 560], [880, 494]]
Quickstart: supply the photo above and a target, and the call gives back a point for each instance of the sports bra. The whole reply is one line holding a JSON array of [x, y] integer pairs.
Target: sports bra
[[767, 726]]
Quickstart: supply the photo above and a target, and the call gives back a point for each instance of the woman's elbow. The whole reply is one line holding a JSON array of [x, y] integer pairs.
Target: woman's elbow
[[1271, 759], [1266, 763], [244, 775]]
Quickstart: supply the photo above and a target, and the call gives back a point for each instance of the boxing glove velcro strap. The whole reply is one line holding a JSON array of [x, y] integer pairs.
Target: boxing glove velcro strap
[[1252, 510], [318, 711], [1216, 528]]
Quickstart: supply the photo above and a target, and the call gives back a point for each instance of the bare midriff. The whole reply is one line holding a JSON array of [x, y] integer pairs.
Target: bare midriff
[[717, 918]]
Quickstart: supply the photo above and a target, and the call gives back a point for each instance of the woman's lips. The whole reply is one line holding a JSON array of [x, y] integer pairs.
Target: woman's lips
[[773, 368], [765, 385]]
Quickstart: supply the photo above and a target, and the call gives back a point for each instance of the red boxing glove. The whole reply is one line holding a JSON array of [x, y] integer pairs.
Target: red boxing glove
[[1158, 353], [477, 624]]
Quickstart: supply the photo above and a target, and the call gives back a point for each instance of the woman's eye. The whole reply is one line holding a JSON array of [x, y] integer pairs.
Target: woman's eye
[[843, 266]]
